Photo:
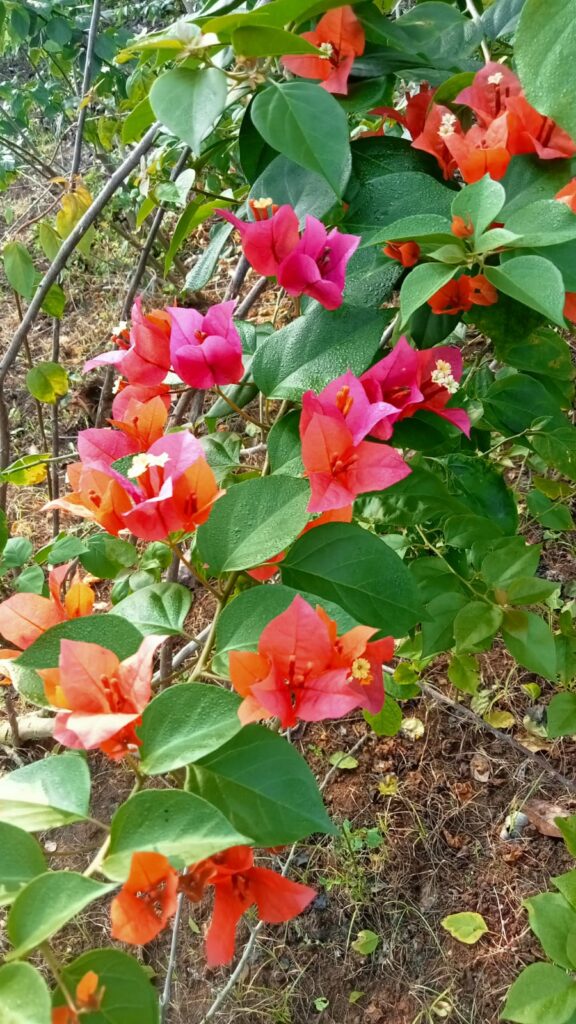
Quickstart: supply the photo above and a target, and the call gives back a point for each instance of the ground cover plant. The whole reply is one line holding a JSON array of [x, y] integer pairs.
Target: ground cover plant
[[287, 465]]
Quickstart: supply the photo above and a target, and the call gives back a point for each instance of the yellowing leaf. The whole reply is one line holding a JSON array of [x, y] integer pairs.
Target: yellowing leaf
[[388, 786], [343, 760], [500, 719], [466, 927], [31, 469], [365, 942]]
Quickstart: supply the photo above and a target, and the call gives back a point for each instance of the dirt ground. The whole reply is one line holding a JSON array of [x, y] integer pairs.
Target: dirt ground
[[423, 818]]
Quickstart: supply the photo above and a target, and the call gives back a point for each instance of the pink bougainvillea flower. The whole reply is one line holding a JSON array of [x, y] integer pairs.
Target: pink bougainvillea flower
[[406, 253], [147, 359], [413, 380], [239, 885], [269, 569], [413, 118], [268, 240], [440, 125], [338, 469], [460, 294], [142, 422], [206, 350], [567, 195], [341, 38], [24, 617], [146, 901], [348, 396], [488, 95], [103, 697], [481, 150], [317, 265], [531, 132], [304, 671]]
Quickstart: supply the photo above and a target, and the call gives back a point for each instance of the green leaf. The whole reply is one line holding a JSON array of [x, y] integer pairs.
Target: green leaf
[[419, 227], [467, 926], [548, 514], [509, 558], [30, 469], [558, 449], [385, 200], [341, 760], [49, 240], [161, 608], [180, 825], [465, 530], [24, 995], [529, 590], [438, 626], [259, 41], [365, 942], [463, 673], [475, 623], [561, 715], [480, 203], [421, 283], [17, 551], [567, 827], [138, 120], [21, 859], [286, 182], [566, 883], [534, 281], [129, 996], [47, 793], [106, 556], [284, 448], [263, 786], [483, 489], [543, 223], [314, 349], [110, 631], [46, 904], [544, 47], [501, 18], [19, 269], [243, 619], [206, 263], [184, 723], [388, 721], [529, 639], [552, 919], [189, 102], [48, 382], [222, 453], [347, 565], [253, 521], [307, 125], [541, 994]]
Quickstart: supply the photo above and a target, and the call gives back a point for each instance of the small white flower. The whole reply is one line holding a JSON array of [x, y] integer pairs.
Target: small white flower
[[326, 49], [442, 376], [447, 125], [144, 461], [495, 79]]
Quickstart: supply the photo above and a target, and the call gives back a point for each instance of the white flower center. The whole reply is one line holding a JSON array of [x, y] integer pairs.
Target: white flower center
[[442, 376], [144, 461], [495, 79], [326, 49], [447, 125]]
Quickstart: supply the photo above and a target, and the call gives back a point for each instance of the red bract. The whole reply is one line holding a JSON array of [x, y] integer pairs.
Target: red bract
[[303, 671], [239, 885], [337, 468], [459, 295], [94, 495], [488, 96], [567, 195], [413, 118], [206, 350], [347, 395], [440, 125], [103, 697], [147, 360], [462, 228], [481, 151], [146, 901], [412, 380], [570, 306], [24, 617], [406, 253], [531, 132], [311, 264], [341, 38]]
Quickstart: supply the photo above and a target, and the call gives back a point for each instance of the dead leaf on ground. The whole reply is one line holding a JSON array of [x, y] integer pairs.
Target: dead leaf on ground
[[480, 768], [541, 814]]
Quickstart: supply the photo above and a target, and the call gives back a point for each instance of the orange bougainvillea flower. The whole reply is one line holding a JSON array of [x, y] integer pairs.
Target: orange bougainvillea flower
[[24, 617], [239, 885], [88, 999], [567, 195], [440, 125], [481, 150], [570, 306], [103, 697], [143, 422], [341, 38], [531, 132], [462, 228], [146, 901], [95, 495], [459, 295], [406, 253]]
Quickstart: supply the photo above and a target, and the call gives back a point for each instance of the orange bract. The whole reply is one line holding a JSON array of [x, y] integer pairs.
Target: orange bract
[[146, 901]]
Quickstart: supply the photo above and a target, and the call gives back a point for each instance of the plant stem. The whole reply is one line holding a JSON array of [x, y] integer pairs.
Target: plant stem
[[50, 958], [236, 408], [177, 550]]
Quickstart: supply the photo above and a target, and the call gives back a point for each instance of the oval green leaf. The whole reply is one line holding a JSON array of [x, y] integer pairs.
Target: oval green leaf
[[21, 859], [46, 904], [184, 723], [24, 995], [45, 794]]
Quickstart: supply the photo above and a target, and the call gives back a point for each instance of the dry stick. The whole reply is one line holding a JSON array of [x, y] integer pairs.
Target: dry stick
[[51, 275], [106, 393], [92, 33], [168, 646], [54, 472], [254, 294], [237, 279]]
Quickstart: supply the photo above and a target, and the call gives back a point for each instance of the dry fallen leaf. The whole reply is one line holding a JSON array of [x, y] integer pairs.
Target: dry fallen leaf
[[541, 814], [480, 768]]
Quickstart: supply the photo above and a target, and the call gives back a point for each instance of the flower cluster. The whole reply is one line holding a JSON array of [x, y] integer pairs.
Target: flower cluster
[[148, 898], [340, 37], [309, 263], [506, 126]]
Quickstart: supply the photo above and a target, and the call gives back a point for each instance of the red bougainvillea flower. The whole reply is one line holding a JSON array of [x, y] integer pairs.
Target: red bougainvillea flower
[[531, 132], [567, 195], [317, 265], [459, 295], [338, 469], [441, 124], [269, 569], [206, 350], [146, 901], [239, 885], [413, 118], [24, 617], [481, 150], [462, 228], [341, 38], [268, 240], [570, 306], [88, 999], [413, 380], [406, 253], [103, 697], [303, 671], [488, 96], [147, 360], [143, 422]]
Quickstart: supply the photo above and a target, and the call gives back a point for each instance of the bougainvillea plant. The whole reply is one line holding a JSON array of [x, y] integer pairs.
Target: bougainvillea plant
[[350, 492]]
